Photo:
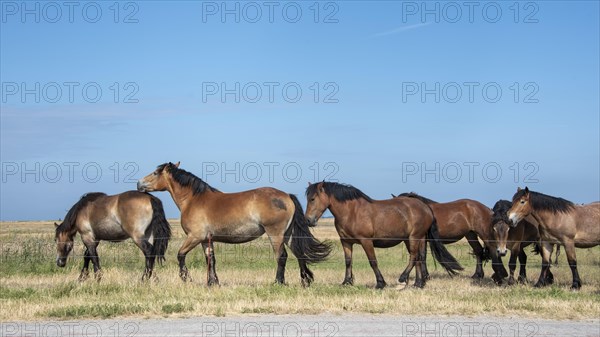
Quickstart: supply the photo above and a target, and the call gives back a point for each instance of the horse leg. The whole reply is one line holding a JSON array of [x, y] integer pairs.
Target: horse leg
[[572, 259], [512, 263], [478, 252], [281, 255], [522, 266], [189, 244], [556, 255], [85, 273], [370, 251], [349, 277], [209, 254], [498, 267], [146, 248], [93, 255], [425, 272], [416, 254], [546, 276], [411, 263]]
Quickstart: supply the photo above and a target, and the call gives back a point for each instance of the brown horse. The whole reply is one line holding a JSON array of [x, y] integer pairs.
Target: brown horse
[[97, 216], [378, 224], [208, 215], [516, 238], [466, 218], [559, 221]]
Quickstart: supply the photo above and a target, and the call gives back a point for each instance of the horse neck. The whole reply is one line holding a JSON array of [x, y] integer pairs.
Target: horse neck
[[341, 210], [181, 194]]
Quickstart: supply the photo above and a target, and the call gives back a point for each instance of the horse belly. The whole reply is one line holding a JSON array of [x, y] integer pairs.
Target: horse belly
[[239, 234], [109, 230], [386, 243]]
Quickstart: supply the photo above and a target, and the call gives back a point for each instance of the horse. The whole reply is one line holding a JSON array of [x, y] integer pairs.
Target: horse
[[470, 219], [209, 215], [97, 216], [378, 224], [559, 221], [516, 238]]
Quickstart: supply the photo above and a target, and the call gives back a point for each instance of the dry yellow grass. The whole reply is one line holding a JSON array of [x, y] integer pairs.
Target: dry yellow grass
[[32, 287]]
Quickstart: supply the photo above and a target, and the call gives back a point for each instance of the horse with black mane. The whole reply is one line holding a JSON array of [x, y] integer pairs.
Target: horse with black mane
[[97, 217], [209, 215], [470, 219], [516, 238], [378, 224], [559, 222]]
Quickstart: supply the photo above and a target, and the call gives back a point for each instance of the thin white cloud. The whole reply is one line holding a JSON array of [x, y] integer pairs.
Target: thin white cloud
[[401, 29]]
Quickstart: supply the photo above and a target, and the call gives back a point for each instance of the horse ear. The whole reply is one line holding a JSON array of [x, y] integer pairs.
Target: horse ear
[[309, 183], [526, 190], [55, 224], [393, 196], [177, 164], [518, 189]]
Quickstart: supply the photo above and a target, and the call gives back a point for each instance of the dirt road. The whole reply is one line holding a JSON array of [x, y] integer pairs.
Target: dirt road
[[323, 325]]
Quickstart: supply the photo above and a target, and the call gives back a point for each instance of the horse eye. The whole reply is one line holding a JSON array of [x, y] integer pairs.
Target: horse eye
[[312, 199], [522, 202]]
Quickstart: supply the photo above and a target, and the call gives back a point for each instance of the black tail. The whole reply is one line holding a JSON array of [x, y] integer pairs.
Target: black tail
[[161, 230], [439, 251], [303, 244]]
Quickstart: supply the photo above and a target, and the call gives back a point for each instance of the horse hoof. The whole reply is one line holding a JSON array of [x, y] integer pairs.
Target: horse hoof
[[522, 280], [511, 281], [419, 285], [348, 283], [477, 276], [576, 286], [426, 277], [83, 277], [380, 285]]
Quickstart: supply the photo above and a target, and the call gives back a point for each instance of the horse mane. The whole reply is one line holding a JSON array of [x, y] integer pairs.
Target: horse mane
[[71, 217], [341, 192], [545, 202], [187, 179], [416, 196], [500, 209]]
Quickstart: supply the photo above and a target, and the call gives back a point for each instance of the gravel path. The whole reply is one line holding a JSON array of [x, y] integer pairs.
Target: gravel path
[[323, 325]]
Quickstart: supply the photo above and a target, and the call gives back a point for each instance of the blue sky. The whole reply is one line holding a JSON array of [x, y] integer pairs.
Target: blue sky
[[366, 126]]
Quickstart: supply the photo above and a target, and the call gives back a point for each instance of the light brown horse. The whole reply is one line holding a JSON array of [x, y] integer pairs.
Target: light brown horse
[[470, 219], [97, 217], [560, 221], [208, 215], [378, 224], [515, 238]]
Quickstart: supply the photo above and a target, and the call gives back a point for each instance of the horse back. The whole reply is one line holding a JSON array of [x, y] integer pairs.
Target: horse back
[[456, 218], [117, 217], [588, 225], [230, 213]]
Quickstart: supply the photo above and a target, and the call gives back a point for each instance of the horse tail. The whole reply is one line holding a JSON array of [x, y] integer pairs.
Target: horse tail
[[304, 245], [160, 228], [439, 251]]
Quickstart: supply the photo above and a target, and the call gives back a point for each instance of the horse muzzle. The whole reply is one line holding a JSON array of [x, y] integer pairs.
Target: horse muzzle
[[501, 252], [61, 262], [312, 221], [141, 186]]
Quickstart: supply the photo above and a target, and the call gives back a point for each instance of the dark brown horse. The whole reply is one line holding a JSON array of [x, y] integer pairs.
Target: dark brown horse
[[378, 224], [208, 215], [515, 238], [559, 221], [470, 219], [97, 217]]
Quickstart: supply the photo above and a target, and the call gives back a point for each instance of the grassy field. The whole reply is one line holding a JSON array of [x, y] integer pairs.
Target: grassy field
[[32, 287]]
